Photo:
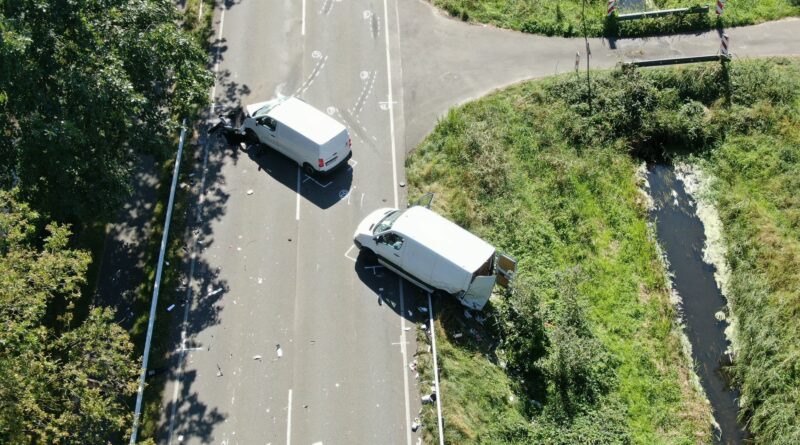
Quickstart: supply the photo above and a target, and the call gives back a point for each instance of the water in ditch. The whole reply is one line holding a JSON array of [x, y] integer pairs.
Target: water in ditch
[[681, 234]]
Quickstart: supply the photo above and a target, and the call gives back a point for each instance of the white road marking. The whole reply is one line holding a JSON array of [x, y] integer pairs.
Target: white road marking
[[347, 254], [289, 421], [436, 371], [188, 298], [391, 134], [297, 210], [405, 358], [316, 182], [303, 26], [216, 60]]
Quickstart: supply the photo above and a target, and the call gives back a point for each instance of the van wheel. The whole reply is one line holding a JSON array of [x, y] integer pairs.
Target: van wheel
[[368, 255], [250, 137], [308, 169]]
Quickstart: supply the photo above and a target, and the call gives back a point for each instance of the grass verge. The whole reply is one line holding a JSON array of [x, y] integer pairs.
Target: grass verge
[[535, 172], [563, 17]]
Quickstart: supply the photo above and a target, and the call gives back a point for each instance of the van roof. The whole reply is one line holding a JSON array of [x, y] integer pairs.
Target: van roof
[[306, 120], [444, 237]]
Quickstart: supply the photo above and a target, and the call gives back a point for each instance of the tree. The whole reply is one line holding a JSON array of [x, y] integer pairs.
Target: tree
[[58, 384], [84, 87]]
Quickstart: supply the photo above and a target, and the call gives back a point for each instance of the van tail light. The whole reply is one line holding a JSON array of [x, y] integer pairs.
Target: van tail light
[[349, 142], [321, 162]]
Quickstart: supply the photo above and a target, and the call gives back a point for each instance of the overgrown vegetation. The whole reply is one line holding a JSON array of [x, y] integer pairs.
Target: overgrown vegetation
[[588, 339], [85, 88], [563, 17], [63, 381]]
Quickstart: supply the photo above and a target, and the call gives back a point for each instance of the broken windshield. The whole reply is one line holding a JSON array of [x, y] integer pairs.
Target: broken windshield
[[387, 221]]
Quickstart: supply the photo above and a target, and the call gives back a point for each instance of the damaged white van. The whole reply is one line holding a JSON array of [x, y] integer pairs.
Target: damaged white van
[[434, 253], [316, 141]]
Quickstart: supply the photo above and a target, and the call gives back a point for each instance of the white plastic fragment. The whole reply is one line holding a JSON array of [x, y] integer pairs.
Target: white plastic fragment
[[278, 350], [214, 292], [415, 426], [250, 191], [170, 308], [257, 357], [422, 309]]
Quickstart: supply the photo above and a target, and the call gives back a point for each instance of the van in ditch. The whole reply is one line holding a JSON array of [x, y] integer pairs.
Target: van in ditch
[[316, 141], [434, 253]]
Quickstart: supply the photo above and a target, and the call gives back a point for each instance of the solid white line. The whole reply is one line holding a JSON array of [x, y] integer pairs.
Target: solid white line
[[436, 371], [297, 207], [391, 107], [188, 298], [303, 19], [216, 60], [396, 205], [405, 360], [289, 421]]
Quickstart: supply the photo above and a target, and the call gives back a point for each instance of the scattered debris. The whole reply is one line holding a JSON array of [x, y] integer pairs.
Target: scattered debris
[[167, 263], [257, 357], [278, 350], [458, 335], [416, 425], [219, 371], [422, 309], [467, 314], [430, 398], [410, 314], [260, 280], [214, 292], [406, 328], [480, 319], [413, 365], [250, 191], [170, 308]]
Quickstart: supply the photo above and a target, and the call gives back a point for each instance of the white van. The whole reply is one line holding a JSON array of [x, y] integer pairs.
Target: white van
[[316, 141], [434, 253]]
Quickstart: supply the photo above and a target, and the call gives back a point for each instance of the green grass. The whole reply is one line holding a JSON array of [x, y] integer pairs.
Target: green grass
[[563, 17], [537, 174]]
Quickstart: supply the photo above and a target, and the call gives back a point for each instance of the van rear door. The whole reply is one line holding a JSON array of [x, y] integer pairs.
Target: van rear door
[[479, 292], [334, 151], [505, 267]]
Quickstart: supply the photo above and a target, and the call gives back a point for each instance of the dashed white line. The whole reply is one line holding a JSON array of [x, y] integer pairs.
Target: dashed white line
[[303, 20]]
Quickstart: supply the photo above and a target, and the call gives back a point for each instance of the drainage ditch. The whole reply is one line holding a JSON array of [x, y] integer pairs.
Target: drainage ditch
[[681, 234]]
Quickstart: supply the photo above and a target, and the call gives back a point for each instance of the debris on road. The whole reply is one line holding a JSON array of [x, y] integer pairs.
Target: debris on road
[[278, 350], [422, 309], [413, 365], [250, 191], [458, 335], [467, 314], [170, 308], [214, 292], [257, 357], [416, 425], [219, 371]]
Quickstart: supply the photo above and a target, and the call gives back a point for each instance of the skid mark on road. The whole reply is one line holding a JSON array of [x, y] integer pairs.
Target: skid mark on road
[[368, 83], [318, 66]]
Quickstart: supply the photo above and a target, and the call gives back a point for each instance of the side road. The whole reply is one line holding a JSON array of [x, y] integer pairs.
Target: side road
[[447, 62]]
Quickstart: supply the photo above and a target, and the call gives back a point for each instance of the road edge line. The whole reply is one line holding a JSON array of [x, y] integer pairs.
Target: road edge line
[[436, 371]]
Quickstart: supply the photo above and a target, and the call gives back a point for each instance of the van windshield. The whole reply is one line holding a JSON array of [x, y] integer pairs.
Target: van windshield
[[387, 221]]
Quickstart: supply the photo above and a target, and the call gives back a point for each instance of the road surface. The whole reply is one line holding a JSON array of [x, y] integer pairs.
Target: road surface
[[289, 338]]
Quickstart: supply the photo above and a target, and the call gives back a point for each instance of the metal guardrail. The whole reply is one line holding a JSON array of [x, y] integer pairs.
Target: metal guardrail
[[663, 12], [677, 60]]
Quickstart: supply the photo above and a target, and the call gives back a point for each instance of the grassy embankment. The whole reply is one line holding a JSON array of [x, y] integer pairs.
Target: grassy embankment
[[563, 17], [535, 172]]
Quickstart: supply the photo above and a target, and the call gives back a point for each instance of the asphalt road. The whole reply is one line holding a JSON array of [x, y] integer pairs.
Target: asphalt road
[[274, 268], [287, 338]]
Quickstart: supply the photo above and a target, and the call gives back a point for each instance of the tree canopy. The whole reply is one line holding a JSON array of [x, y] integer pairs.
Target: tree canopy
[[84, 87], [59, 384]]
